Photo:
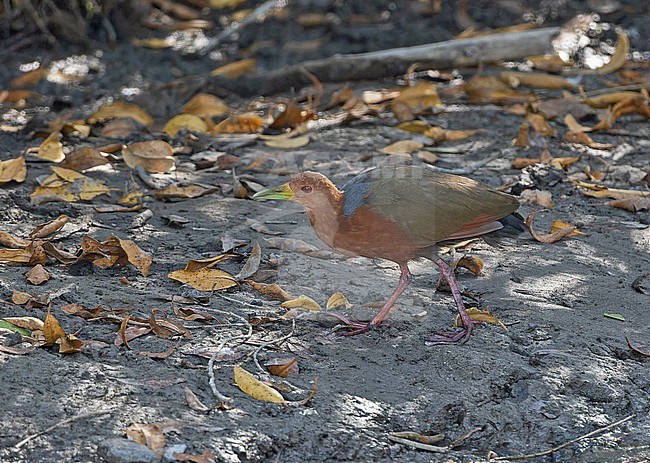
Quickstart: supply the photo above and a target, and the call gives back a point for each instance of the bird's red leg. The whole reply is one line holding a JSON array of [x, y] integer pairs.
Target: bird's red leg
[[462, 335], [357, 328]]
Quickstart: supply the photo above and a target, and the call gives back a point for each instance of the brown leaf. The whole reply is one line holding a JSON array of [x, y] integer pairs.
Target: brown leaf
[[189, 314], [236, 69], [417, 99], [51, 149], [207, 456], [83, 158], [103, 255], [283, 367], [165, 328], [154, 156], [617, 60], [271, 290], [522, 140], [159, 355], [195, 265], [148, 434], [471, 263], [205, 279], [11, 241], [488, 89], [38, 275], [53, 332], [58, 254], [22, 256], [29, 78], [402, 146], [539, 125], [631, 204], [535, 80], [13, 170], [27, 323], [129, 334], [551, 237], [290, 118], [439, 134], [252, 263], [49, 228], [301, 302], [121, 109], [20, 298], [479, 315], [188, 192], [193, 401], [120, 128], [205, 105], [582, 138], [288, 143], [136, 256]]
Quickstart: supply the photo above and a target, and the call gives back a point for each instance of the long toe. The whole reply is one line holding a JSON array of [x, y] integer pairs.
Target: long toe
[[461, 336]]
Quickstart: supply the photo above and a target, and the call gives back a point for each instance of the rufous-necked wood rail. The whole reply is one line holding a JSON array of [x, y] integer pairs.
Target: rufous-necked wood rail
[[399, 213]]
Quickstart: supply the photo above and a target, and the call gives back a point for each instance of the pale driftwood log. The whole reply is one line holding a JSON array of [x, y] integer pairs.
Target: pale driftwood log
[[393, 62]]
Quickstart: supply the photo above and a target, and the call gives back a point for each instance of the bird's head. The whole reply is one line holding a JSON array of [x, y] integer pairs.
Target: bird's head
[[310, 189]]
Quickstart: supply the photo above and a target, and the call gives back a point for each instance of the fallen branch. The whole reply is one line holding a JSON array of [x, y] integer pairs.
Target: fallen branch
[[392, 62], [559, 447]]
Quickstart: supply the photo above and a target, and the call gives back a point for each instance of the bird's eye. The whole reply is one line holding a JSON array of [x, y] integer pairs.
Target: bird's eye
[[306, 189]]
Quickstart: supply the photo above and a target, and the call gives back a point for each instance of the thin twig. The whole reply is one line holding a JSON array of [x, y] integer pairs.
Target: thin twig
[[566, 444], [419, 445], [78, 417], [269, 343]]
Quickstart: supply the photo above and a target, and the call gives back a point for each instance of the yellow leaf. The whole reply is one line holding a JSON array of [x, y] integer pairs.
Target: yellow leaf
[[479, 315], [302, 302], [15, 255], [535, 80], [558, 225], [13, 170], [140, 259], [337, 300], [205, 279], [187, 192], [154, 156], [185, 121], [121, 109], [402, 146], [255, 388], [288, 143], [52, 149], [242, 123], [421, 96], [618, 58], [414, 126], [153, 42]]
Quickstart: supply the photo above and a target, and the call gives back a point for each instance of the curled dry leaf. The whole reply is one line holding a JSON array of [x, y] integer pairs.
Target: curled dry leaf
[[20, 298], [136, 256], [193, 401], [283, 367], [599, 191], [489, 89], [644, 353], [535, 80], [155, 156], [252, 263], [255, 388], [26, 323], [402, 146], [582, 138], [337, 300], [121, 109], [205, 279], [185, 121], [471, 263], [53, 332], [130, 333], [236, 69], [479, 315], [37, 275], [13, 170], [617, 60], [205, 105], [440, 135], [148, 434], [288, 143], [522, 140], [271, 290], [187, 192], [415, 100], [539, 124], [165, 328], [51, 149], [550, 237], [159, 355], [82, 159], [631, 204], [301, 302], [558, 225], [11, 241], [49, 228], [22, 256]]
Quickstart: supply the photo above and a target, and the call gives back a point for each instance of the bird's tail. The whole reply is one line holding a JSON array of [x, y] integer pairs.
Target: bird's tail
[[513, 226]]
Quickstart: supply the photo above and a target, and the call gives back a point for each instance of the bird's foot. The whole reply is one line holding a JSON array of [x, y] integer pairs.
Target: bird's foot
[[353, 327], [461, 336]]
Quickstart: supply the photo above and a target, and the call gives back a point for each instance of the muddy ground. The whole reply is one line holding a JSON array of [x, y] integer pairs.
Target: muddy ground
[[560, 371]]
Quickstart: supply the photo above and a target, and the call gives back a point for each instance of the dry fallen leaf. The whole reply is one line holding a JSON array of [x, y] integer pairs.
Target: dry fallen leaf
[[49, 228], [236, 69], [69, 186], [535, 80], [10, 241], [417, 99], [187, 192], [205, 106], [148, 434], [440, 135], [283, 367], [205, 279], [193, 401], [22, 256], [337, 300], [13, 170], [471, 263], [543, 198], [136, 256], [631, 204], [301, 302], [568, 230], [617, 60], [37, 275], [288, 143], [120, 109], [154, 156], [252, 263], [51, 149], [539, 124], [402, 146], [271, 290], [479, 315], [83, 158], [489, 89], [255, 388], [185, 121], [242, 123], [53, 332]]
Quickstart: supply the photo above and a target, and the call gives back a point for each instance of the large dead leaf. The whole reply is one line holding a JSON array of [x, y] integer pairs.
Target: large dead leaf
[[69, 186], [337, 300], [49, 228], [53, 332], [120, 109], [136, 256], [631, 204], [283, 367], [255, 388], [483, 316], [418, 99], [440, 135], [205, 279], [271, 290], [22, 256], [302, 302], [51, 149], [37, 275], [402, 146], [539, 124], [489, 89], [555, 235], [236, 69], [154, 156], [205, 105], [13, 170]]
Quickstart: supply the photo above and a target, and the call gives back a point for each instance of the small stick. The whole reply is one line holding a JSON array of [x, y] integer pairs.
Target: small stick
[[566, 444], [419, 445], [78, 417]]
